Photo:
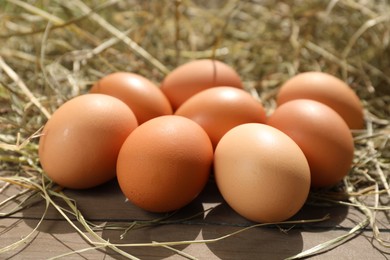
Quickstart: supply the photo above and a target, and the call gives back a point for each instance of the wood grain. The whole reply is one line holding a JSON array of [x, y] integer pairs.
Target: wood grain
[[107, 205]]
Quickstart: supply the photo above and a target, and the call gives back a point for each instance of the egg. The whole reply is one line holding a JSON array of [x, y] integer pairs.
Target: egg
[[261, 173], [79, 144], [323, 136], [327, 89], [165, 163], [195, 76], [143, 97], [219, 109]]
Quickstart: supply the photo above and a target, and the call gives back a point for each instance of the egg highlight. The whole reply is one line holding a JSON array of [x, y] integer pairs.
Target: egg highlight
[[143, 97], [323, 136], [165, 163], [261, 173], [220, 109], [327, 89], [80, 143], [195, 76]]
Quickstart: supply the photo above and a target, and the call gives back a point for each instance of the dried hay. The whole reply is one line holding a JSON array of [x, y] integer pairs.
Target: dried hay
[[53, 50]]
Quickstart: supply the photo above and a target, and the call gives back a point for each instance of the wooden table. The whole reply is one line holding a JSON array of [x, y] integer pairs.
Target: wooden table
[[106, 204]]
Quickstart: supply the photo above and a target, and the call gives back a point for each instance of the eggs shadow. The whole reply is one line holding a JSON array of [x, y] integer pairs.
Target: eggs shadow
[[107, 206], [268, 242], [333, 216], [324, 216], [210, 193], [53, 222], [98, 205], [183, 225]]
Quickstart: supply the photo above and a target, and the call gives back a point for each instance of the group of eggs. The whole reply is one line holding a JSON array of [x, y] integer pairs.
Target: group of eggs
[[163, 143]]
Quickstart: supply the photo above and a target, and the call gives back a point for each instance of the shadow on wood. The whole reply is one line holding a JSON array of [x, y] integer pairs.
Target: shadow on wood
[[180, 229], [256, 243]]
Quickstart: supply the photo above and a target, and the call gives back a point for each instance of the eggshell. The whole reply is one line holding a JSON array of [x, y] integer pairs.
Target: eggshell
[[80, 143], [164, 163], [195, 76], [327, 89], [143, 97], [323, 136], [261, 173], [220, 109]]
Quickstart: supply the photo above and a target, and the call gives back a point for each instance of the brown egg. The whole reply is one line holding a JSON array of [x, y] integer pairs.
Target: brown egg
[[164, 163], [144, 98], [327, 89], [80, 143], [220, 109], [323, 136], [261, 173], [195, 76]]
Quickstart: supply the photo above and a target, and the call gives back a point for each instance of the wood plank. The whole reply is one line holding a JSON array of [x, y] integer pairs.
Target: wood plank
[[107, 204], [56, 237]]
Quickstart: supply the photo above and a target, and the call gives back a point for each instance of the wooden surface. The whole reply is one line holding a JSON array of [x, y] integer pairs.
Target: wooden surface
[[106, 204]]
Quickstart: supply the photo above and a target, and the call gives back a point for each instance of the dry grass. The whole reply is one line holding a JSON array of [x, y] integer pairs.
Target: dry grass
[[52, 50]]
